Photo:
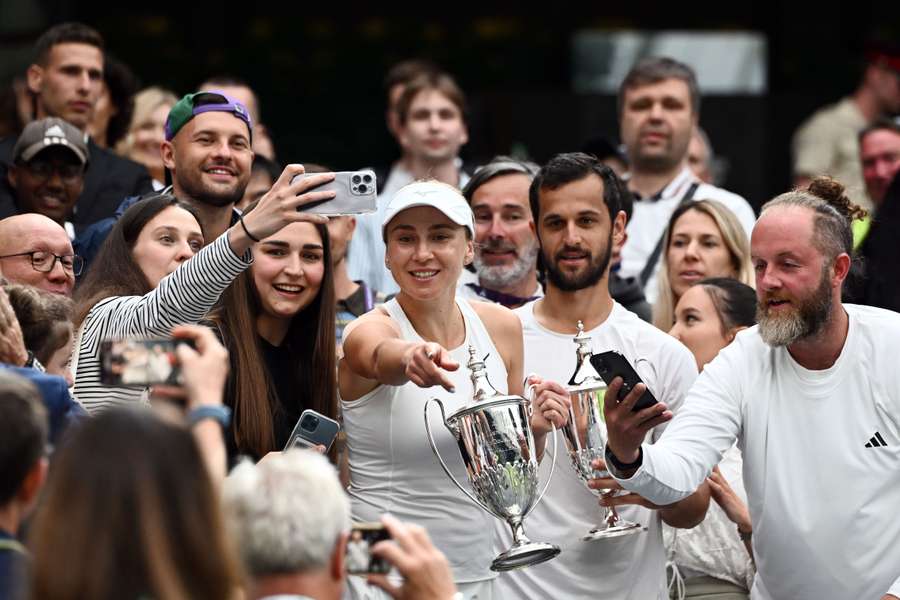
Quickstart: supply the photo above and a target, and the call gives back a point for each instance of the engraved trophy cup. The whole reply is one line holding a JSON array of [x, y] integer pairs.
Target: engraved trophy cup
[[585, 434], [497, 447]]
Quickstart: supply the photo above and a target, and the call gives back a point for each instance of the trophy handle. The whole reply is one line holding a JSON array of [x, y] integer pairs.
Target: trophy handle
[[549, 477], [441, 460], [529, 395]]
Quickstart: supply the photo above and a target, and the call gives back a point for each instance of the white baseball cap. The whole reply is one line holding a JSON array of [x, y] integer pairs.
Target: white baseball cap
[[435, 194]]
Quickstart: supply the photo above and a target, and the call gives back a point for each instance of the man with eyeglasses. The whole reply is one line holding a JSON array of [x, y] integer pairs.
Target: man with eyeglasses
[[35, 251], [47, 174]]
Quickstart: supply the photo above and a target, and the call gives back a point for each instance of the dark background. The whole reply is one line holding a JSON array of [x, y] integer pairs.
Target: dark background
[[319, 77]]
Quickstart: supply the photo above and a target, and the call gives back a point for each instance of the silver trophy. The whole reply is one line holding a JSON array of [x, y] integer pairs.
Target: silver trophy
[[585, 434], [495, 440]]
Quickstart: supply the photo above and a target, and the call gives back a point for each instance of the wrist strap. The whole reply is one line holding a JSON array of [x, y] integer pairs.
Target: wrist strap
[[219, 413], [619, 465], [247, 231]]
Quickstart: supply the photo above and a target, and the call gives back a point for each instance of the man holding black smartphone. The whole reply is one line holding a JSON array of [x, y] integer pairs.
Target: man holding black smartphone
[[811, 396], [577, 208]]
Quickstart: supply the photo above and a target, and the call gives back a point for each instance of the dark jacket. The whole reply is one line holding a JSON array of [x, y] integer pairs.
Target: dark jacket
[[628, 293], [880, 254], [108, 180]]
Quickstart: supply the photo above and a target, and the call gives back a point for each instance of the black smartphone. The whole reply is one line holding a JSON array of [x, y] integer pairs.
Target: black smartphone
[[355, 194], [359, 559], [610, 365], [140, 362], [313, 429]]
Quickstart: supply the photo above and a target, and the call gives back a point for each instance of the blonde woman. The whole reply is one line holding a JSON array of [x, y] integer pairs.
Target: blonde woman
[[147, 131], [704, 239]]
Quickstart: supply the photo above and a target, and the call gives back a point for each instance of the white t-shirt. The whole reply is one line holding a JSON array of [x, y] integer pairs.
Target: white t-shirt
[[393, 469], [821, 458], [630, 567], [651, 217]]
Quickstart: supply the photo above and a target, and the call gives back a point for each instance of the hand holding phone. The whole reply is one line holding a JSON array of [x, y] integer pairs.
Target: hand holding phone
[[354, 193], [610, 365], [313, 429]]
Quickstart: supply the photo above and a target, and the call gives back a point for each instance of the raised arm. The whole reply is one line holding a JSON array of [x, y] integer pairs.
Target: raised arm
[[376, 354]]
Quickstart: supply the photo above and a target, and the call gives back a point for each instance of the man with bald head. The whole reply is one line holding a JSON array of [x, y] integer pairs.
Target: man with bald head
[[36, 251]]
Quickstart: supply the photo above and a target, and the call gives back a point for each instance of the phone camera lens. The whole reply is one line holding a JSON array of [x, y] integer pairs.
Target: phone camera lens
[[367, 178], [364, 189], [356, 179], [310, 422]]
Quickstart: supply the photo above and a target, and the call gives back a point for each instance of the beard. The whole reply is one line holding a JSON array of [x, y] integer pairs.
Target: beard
[[799, 322], [194, 187], [586, 278], [501, 276]]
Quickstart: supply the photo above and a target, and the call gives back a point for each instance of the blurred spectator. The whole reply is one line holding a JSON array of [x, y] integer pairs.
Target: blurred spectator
[[432, 130], [506, 245], [659, 108], [36, 251], [66, 79], [46, 323], [881, 254], [243, 93], [146, 133], [704, 239], [607, 153], [714, 558], [47, 172], [879, 154], [115, 106], [290, 519], [151, 518], [395, 82], [263, 176], [702, 159], [23, 467], [15, 107], [277, 321], [826, 143], [353, 298]]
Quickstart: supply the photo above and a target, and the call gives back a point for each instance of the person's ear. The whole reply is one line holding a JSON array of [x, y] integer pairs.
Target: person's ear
[[35, 78], [338, 556], [34, 481], [840, 269], [167, 149], [12, 176], [618, 226], [351, 225], [470, 252], [732, 333]]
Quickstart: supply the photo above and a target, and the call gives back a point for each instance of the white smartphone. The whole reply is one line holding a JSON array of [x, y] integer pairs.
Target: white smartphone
[[356, 194], [313, 429]]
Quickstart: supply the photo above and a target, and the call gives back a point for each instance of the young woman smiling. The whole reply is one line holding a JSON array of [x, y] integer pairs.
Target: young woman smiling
[[153, 272], [277, 322], [408, 350], [704, 239]]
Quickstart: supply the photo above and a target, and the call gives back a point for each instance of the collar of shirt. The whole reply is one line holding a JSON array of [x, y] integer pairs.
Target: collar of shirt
[[674, 189], [507, 300]]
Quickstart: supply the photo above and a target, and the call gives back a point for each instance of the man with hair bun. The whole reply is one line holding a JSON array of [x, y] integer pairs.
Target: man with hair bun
[[812, 396]]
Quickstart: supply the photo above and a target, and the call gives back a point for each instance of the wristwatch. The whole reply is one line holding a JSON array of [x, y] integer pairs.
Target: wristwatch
[[619, 465], [217, 412]]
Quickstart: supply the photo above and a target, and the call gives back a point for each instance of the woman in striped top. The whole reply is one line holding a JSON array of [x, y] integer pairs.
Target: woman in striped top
[[151, 273]]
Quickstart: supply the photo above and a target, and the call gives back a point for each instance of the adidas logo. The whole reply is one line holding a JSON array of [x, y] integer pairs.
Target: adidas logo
[[876, 442], [55, 131]]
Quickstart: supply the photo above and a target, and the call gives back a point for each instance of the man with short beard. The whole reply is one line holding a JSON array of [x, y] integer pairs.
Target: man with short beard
[[506, 246], [207, 150], [812, 397], [577, 207], [659, 109]]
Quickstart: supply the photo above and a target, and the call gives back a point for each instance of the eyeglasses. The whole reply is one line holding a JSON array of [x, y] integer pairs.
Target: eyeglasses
[[45, 261], [44, 170]]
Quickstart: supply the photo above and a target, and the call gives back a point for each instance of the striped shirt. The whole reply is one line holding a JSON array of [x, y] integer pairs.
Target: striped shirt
[[183, 296]]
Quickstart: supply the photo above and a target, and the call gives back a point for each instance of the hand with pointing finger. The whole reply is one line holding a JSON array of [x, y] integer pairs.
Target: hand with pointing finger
[[425, 365]]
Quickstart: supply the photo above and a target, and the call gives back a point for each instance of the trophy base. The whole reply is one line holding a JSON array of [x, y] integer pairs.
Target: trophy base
[[525, 555], [613, 531]]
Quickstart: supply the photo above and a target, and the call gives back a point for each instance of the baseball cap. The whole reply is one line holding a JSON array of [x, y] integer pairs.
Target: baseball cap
[[192, 105], [44, 133], [435, 194]]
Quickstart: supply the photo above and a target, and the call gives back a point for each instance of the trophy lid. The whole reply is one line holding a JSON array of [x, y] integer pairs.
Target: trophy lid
[[483, 393], [585, 376]]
